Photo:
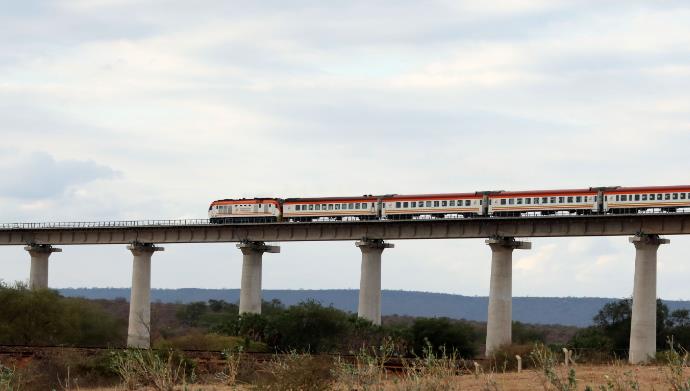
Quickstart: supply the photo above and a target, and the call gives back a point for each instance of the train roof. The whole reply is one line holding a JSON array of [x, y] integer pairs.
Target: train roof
[[431, 196], [331, 199], [648, 189], [542, 192], [245, 200]]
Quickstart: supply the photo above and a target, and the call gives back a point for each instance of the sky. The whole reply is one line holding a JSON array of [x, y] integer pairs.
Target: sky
[[122, 109]]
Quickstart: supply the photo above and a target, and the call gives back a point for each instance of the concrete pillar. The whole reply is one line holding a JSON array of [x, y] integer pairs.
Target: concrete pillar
[[370, 279], [643, 322], [139, 330], [38, 276], [250, 290], [500, 320]]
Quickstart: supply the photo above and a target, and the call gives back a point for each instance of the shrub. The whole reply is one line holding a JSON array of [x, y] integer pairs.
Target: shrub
[[208, 342], [137, 368], [441, 332], [297, 372]]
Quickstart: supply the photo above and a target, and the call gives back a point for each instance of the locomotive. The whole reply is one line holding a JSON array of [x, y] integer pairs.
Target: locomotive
[[593, 200]]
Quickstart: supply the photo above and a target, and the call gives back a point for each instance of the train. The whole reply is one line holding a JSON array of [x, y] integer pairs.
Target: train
[[585, 201]]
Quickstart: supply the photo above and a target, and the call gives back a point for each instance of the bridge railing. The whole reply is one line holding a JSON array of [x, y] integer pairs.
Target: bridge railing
[[104, 224]]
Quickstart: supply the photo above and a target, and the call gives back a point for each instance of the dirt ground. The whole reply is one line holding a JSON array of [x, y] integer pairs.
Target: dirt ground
[[649, 378]]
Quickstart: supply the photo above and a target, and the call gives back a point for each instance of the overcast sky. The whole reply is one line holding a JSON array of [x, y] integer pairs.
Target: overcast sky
[[122, 109]]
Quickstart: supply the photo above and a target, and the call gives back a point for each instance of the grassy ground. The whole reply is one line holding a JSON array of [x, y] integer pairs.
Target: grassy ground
[[649, 378]]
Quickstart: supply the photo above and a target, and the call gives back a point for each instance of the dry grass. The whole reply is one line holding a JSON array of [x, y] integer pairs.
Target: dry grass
[[649, 378]]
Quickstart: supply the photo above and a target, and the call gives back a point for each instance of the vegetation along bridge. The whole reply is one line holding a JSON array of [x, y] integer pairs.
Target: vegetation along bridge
[[143, 236]]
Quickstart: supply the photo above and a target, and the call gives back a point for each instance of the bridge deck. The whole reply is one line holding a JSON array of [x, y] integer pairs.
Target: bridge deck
[[200, 231]]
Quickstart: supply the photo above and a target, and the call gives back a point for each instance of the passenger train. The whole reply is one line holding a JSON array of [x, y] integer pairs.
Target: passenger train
[[593, 200]]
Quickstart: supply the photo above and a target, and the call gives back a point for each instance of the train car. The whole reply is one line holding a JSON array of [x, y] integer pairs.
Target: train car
[[245, 210], [642, 199], [398, 207], [331, 208], [543, 202]]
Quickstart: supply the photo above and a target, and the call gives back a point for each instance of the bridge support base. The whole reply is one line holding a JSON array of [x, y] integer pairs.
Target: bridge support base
[[499, 321], [38, 276], [250, 291], [139, 329], [643, 322], [370, 279]]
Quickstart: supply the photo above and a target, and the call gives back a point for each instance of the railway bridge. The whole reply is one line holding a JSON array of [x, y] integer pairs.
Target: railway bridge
[[142, 238]]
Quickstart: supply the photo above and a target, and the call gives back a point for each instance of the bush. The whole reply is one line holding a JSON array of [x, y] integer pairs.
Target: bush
[[441, 332], [209, 342], [308, 327], [297, 372]]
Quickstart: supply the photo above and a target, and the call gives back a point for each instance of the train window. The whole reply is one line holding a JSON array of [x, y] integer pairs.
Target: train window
[[428, 204], [544, 200], [406, 204], [451, 203], [570, 199], [552, 200], [644, 197], [413, 204], [561, 199], [296, 207], [667, 196], [682, 196], [398, 205], [511, 201], [624, 197], [658, 196], [350, 206], [503, 201], [675, 196], [436, 204], [311, 207], [356, 205], [317, 207], [519, 201], [444, 203], [578, 199], [618, 197], [528, 200], [337, 206], [330, 206], [536, 200], [467, 202], [637, 197]]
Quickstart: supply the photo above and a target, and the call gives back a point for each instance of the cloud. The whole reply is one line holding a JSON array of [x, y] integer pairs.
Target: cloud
[[38, 175]]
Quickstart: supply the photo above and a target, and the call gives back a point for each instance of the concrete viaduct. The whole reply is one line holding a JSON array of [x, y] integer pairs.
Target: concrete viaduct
[[141, 238]]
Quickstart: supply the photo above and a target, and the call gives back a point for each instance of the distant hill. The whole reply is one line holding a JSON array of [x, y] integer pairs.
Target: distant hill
[[572, 311]]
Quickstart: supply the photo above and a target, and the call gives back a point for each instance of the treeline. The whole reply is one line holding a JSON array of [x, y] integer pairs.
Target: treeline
[[43, 317]]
